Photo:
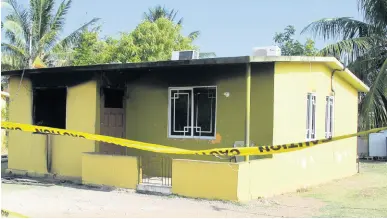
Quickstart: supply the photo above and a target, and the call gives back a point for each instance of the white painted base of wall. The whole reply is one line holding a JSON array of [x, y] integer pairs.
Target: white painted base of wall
[[150, 188]]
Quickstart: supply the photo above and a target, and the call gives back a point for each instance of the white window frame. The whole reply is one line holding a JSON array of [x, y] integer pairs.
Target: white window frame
[[329, 116], [311, 116], [191, 88]]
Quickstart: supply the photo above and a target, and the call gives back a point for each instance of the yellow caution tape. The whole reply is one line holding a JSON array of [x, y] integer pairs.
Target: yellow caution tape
[[255, 150], [6, 213]]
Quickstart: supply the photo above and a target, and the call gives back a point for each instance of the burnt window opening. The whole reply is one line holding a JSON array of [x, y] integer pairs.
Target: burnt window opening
[[49, 107], [113, 98]]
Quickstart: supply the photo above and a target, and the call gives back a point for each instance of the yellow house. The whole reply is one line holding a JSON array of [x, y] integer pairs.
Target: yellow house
[[190, 104], [4, 103]]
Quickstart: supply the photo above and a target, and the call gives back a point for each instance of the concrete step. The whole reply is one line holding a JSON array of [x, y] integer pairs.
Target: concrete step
[[154, 189]]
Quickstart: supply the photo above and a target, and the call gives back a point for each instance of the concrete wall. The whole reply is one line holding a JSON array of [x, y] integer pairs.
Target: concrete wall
[[290, 108], [290, 102], [290, 171], [295, 170], [264, 177], [110, 170], [81, 116], [147, 105], [205, 179], [261, 105], [285, 172], [28, 151]]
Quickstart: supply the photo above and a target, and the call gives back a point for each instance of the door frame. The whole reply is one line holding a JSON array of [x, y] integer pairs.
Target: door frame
[[102, 110]]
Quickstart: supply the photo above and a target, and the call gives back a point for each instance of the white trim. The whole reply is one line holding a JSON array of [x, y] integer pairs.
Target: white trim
[[333, 115], [192, 113], [174, 112], [169, 109], [194, 137], [67, 93], [311, 102], [329, 116], [191, 88], [196, 121]]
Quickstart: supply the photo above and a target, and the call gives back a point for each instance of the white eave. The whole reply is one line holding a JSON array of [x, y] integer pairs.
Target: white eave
[[331, 62]]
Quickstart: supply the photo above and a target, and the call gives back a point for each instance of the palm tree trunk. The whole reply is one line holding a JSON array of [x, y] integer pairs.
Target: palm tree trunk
[[30, 51]]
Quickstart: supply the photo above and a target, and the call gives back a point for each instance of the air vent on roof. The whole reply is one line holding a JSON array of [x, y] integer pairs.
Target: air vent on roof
[[267, 51], [185, 55]]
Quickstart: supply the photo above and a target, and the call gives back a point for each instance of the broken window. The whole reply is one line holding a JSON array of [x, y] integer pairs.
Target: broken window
[[49, 107], [192, 112], [113, 98]]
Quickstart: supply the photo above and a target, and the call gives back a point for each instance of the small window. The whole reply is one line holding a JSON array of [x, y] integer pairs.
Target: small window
[[113, 98], [49, 107], [329, 112], [311, 117], [192, 112]]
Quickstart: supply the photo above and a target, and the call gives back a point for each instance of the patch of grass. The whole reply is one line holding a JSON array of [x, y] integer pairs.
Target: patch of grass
[[340, 211], [363, 195], [302, 190]]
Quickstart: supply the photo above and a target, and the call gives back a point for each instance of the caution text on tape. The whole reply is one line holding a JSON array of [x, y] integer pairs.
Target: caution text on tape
[[255, 150]]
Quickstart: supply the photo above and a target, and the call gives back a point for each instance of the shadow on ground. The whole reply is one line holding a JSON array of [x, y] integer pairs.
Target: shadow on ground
[[25, 180]]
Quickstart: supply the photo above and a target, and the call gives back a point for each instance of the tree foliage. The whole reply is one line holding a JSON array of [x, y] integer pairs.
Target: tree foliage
[[90, 50], [149, 41], [362, 46], [291, 47], [156, 40], [33, 34], [33, 38], [158, 11]]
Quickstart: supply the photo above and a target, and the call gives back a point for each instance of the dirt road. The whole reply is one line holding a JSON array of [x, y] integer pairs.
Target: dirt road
[[36, 199], [48, 200]]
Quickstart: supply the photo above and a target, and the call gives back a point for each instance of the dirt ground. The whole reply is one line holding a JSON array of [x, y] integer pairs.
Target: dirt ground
[[362, 195]]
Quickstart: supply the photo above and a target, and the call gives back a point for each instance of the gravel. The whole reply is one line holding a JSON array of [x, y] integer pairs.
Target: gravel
[[65, 199]]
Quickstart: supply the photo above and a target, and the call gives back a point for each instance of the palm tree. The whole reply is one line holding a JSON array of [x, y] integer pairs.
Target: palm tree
[[161, 11], [33, 34], [362, 47]]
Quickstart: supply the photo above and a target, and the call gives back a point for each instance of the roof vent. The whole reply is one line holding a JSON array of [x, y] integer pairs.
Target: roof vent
[[185, 55], [267, 51]]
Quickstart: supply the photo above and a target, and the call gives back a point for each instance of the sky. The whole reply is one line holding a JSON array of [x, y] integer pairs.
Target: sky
[[228, 27]]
